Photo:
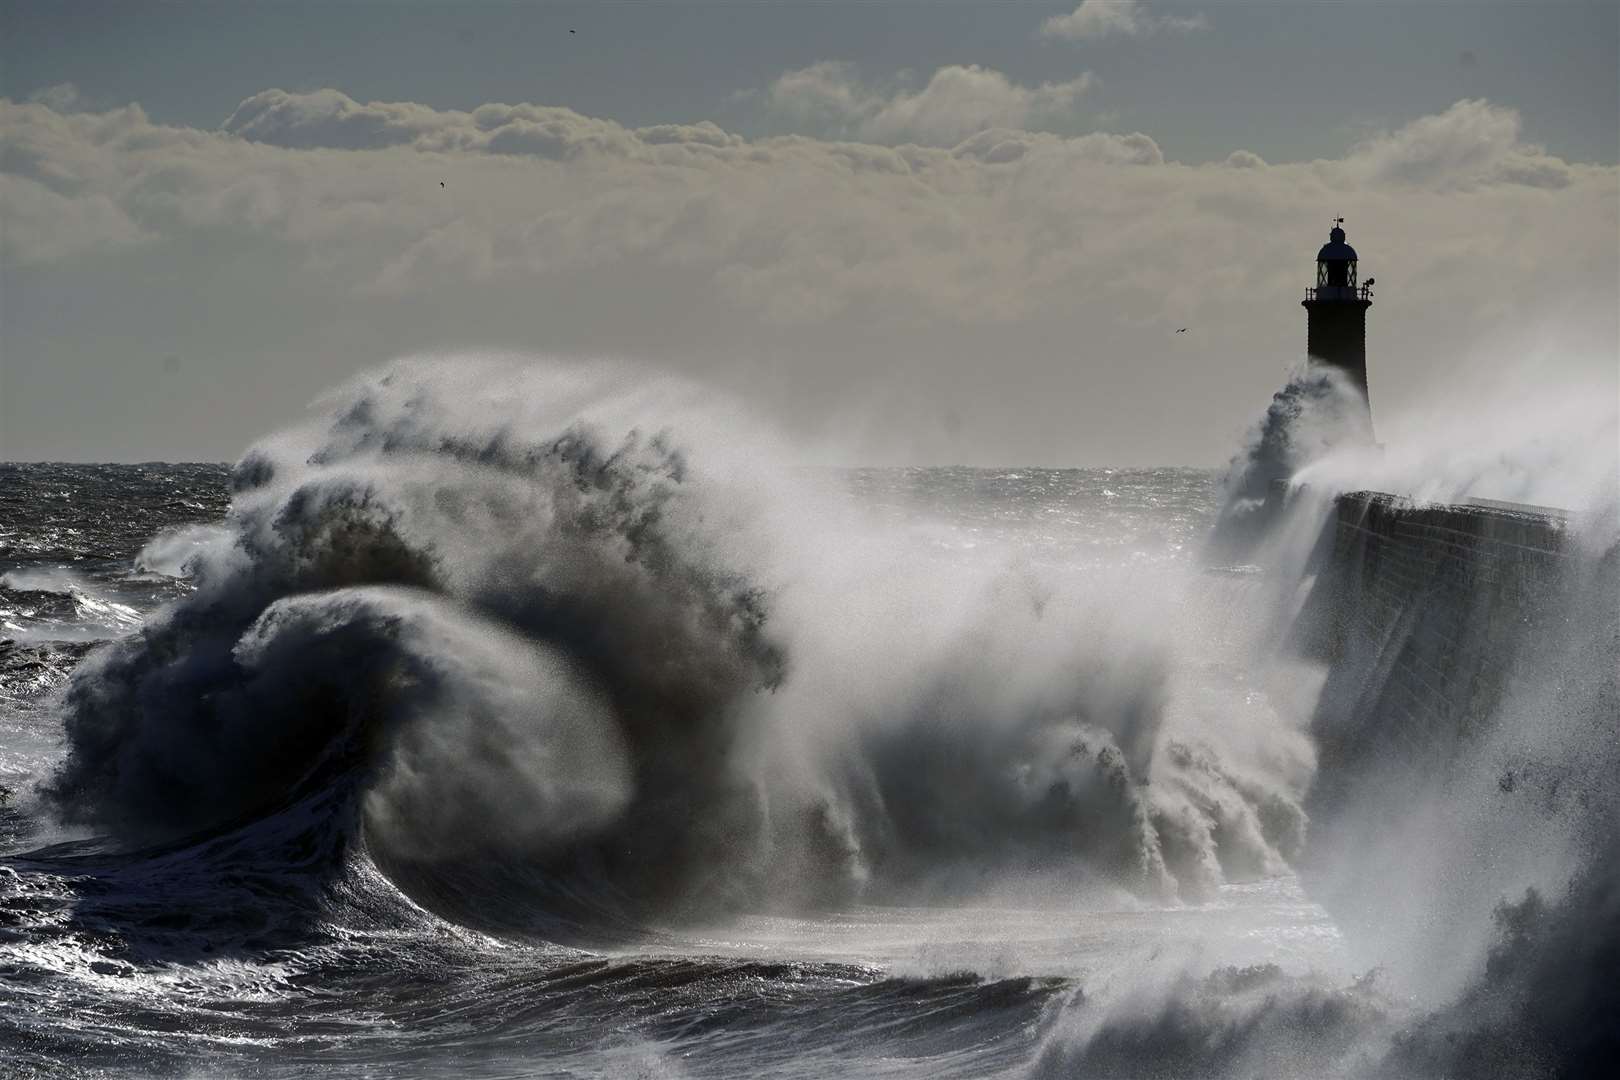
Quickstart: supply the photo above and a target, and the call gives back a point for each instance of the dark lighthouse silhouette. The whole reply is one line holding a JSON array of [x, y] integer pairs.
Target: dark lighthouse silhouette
[[1336, 314]]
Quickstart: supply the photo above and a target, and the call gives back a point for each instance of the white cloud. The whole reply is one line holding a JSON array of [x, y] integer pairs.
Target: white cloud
[[829, 98], [331, 119], [42, 225], [1471, 143], [1095, 19], [63, 97], [839, 219], [815, 268]]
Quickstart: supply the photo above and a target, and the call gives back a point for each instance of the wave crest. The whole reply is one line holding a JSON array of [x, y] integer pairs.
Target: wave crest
[[580, 673]]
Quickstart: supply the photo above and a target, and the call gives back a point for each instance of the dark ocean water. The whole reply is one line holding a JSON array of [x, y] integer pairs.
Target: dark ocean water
[[412, 747], [72, 573], [277, 947]]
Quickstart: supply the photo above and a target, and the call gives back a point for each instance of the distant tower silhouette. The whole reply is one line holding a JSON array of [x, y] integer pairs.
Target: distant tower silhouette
[[1336, 312]]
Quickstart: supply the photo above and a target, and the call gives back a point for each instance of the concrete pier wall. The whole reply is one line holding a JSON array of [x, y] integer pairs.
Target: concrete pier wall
[[1422, 613]]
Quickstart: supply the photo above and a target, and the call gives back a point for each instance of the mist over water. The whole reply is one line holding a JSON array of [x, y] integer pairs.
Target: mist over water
[[494, 660]]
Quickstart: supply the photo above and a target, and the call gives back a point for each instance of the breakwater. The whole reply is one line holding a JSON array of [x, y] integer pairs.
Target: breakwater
[[1423, 613]]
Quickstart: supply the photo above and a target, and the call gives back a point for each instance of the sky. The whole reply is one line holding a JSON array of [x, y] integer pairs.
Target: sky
[[916, 231]]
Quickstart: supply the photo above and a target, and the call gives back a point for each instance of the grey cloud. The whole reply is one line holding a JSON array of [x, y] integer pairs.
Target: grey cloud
[[704, 133], [1002, 226], [1472, 143], [859, 290], [62, 97], [328, 118], [332, 120], [824, 96], [1095, 19], [958, 101], [1001, 146], [156, 175], [42, 225], [792, 230]]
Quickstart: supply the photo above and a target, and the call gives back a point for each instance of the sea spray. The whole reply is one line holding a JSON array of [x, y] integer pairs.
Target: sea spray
[[1477, 878], [172, 551], [581, 646], [1318, 412], [479, 770], [585, 664]]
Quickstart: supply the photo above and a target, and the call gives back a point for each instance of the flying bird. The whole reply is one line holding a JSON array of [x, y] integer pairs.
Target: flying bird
[[1183, 330], [441, 183]]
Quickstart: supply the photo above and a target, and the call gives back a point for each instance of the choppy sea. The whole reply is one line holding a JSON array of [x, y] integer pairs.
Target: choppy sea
[[416, 745]]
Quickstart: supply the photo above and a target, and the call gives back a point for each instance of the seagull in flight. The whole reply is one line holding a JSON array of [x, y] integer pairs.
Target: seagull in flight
[[1183, 330]]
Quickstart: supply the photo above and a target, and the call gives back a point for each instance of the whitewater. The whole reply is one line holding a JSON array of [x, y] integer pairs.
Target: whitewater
[[510, 718]]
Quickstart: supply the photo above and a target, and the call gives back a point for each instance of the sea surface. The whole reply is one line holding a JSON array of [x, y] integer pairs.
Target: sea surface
[[275, 944]]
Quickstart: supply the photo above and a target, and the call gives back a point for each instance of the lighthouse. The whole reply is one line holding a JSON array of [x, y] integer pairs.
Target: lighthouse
[[1336, 314]]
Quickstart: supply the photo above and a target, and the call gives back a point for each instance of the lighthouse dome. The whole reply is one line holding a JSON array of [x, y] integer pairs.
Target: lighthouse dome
[[1336, 250]]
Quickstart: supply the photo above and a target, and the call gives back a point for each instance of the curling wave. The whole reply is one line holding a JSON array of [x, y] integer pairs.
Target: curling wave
[[548, 670]]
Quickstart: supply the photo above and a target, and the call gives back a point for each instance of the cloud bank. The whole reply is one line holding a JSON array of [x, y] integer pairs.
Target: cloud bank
[[932, 256]]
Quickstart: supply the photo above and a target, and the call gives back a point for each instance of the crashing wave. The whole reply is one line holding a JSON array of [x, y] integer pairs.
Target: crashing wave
[[576, 669]]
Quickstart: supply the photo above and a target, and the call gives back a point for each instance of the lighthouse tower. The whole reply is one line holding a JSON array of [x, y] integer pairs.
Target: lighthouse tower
[[1336, 313]]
